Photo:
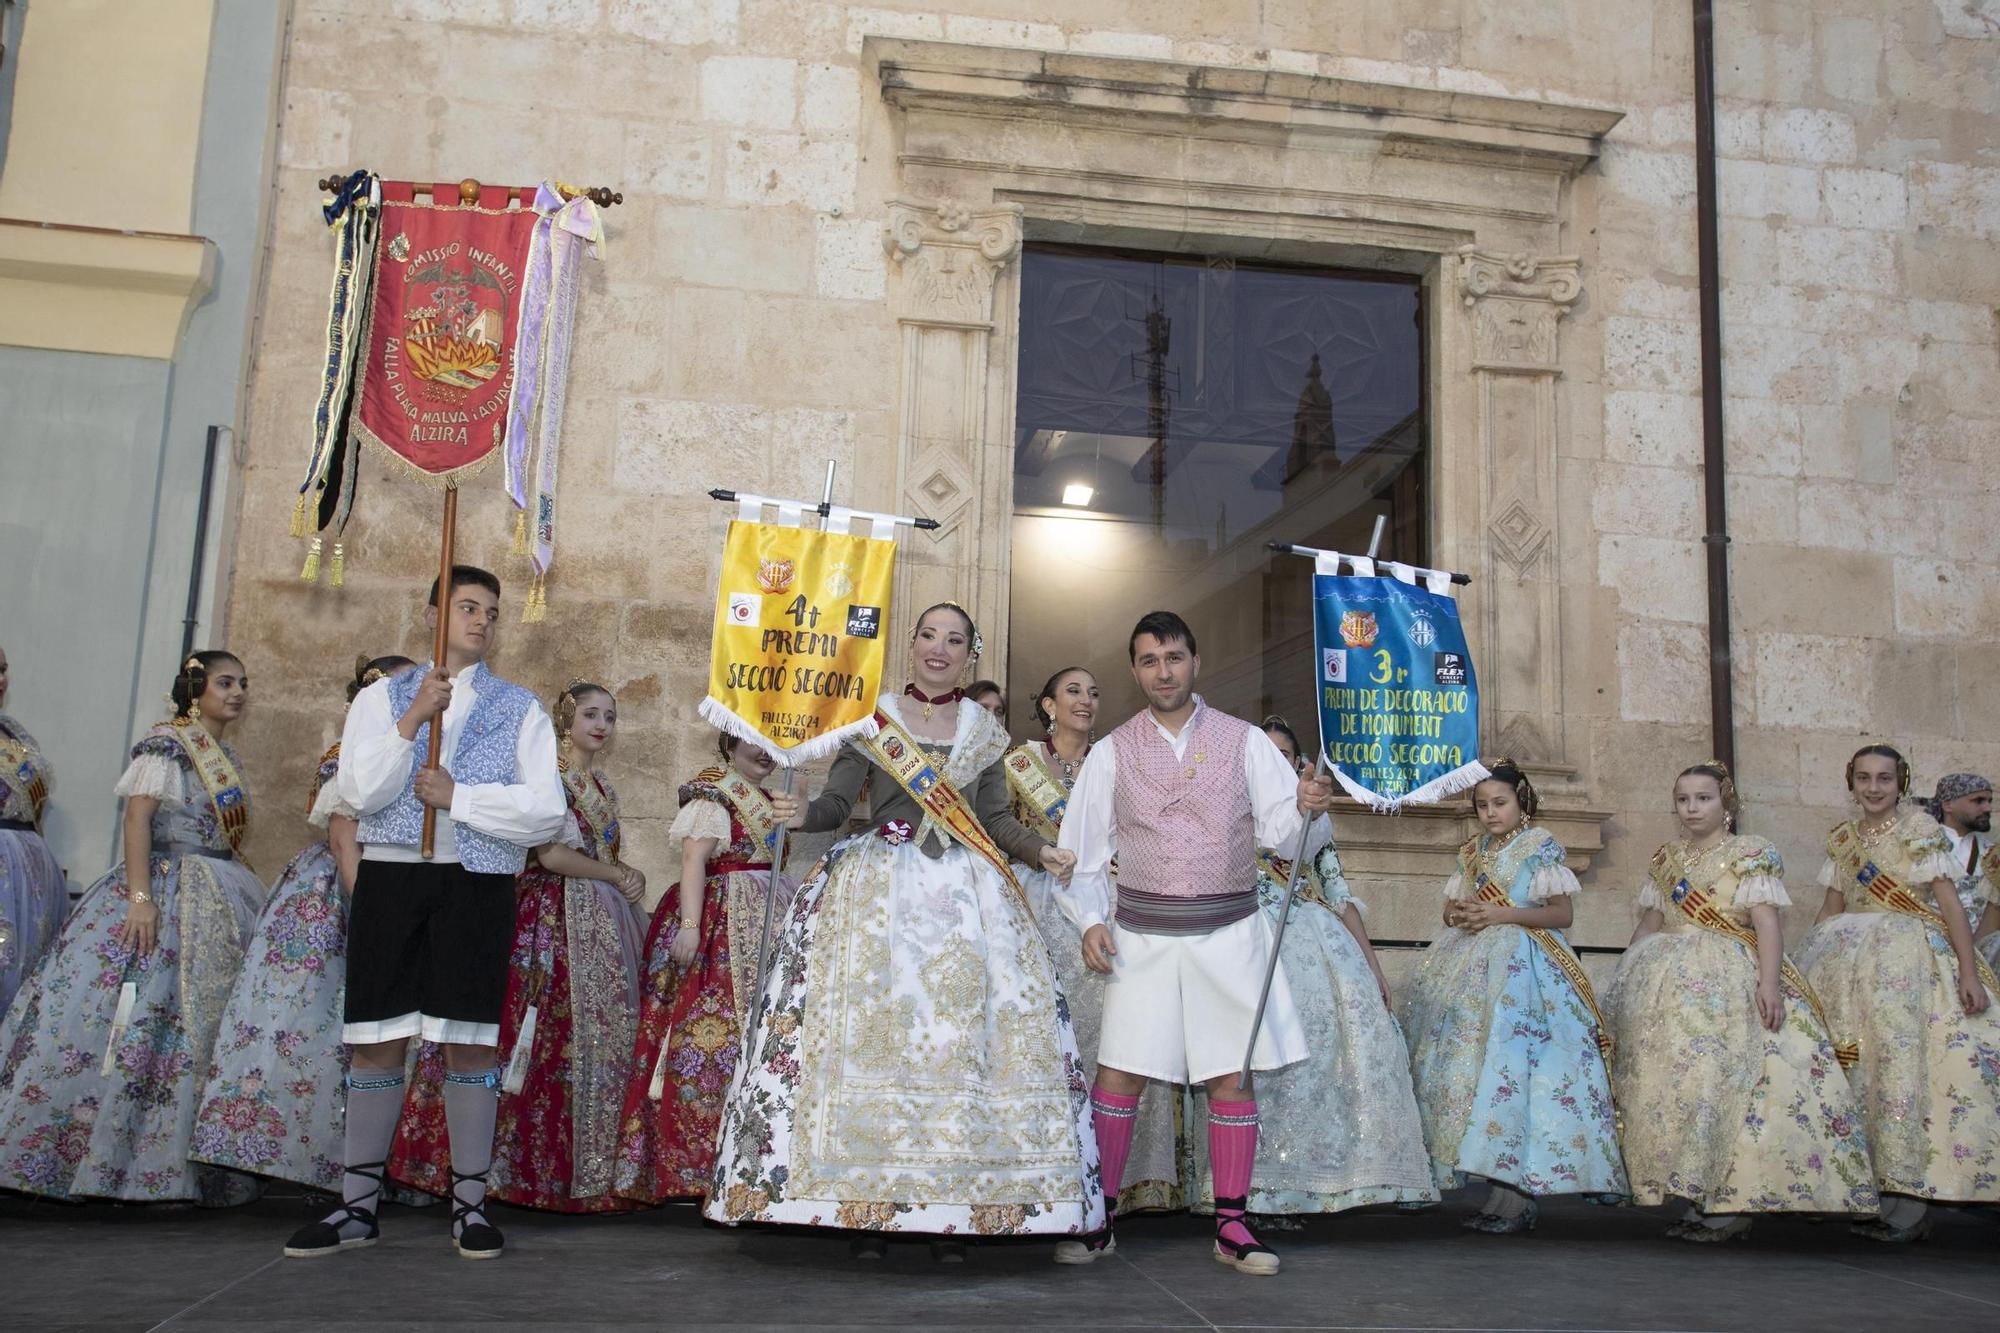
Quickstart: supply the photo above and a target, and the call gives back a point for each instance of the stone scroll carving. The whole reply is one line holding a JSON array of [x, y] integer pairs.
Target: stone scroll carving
[[949, 260], [950, 257], [1515, 303]]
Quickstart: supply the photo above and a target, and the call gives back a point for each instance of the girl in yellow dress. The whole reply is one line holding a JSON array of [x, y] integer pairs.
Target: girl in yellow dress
[[1891, 956], [1727, 1080]]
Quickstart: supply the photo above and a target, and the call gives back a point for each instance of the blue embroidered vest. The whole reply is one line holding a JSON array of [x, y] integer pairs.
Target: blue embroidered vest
[[485, 754]]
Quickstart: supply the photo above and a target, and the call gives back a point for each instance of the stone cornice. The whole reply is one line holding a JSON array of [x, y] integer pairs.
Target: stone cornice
[[1006, 80], [92, 289]]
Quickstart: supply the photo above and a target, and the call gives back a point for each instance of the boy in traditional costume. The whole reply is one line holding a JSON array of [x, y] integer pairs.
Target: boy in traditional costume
[[1183, 796], [429, 939]]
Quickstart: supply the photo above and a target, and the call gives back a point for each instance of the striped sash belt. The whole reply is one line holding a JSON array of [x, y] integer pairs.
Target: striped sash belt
[[1170, 914]]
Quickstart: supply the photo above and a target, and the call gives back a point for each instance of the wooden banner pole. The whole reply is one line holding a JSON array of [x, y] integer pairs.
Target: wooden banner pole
[[438, 648]]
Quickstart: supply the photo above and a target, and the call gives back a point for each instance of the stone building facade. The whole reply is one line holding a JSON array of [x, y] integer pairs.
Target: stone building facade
[[817, 258]]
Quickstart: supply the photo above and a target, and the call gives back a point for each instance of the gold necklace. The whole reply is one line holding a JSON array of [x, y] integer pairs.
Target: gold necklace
[[1489, 860], [1870, 836], [1691, 859]]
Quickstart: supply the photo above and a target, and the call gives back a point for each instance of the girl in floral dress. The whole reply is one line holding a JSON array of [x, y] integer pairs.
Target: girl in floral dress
[[1341, 1128], [103, 1052], [912, 1064], [1039, 777], [700, 977], [1891, 956], [33, 895], [572, 1002], [276, 1095], [1732, 1096], [1505, 1037]]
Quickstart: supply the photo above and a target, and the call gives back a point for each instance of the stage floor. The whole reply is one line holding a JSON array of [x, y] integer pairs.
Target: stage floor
[[101, 1268]]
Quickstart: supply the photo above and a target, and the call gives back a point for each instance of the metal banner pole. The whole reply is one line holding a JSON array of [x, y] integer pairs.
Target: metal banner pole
[[778, 847], [1278, 936]]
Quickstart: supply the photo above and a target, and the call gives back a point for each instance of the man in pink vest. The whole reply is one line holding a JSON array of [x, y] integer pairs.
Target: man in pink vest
[[1183, 796]]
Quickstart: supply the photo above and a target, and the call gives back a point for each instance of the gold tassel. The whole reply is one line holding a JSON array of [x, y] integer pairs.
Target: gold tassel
[[310, 573], [520, 532], [537, 609], [299, 516], [339, 564]]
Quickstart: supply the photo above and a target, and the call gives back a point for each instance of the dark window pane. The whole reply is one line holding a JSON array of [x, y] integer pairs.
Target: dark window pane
[[1206, 407]]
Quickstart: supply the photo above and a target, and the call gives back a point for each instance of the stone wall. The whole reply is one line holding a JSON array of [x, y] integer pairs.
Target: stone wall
[[744, 329]]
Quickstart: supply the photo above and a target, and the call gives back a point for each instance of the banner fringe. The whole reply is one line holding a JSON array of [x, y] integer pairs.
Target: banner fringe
[[718, 715], [1447, 784], [537, 609]]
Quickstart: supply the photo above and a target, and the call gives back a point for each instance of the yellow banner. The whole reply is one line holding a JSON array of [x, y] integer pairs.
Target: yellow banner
[[800, 623]]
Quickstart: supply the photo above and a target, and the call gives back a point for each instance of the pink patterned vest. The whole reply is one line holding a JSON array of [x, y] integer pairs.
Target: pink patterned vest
[[1185, 826]]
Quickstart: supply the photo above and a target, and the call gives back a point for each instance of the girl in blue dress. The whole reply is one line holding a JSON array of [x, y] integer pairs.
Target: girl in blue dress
[[1506, 1042]]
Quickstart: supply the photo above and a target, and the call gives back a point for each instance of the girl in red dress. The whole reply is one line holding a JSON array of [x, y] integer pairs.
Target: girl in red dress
[[572, 1001], [701, 961]]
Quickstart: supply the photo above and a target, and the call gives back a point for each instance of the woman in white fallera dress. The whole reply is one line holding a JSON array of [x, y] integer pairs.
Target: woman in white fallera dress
[[913, 1068]]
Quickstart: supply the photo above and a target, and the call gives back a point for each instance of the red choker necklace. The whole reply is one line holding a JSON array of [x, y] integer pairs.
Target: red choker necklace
[[931, 702]]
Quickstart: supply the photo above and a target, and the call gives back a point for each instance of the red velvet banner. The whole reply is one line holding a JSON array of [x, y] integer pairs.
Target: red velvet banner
[[438, 359]]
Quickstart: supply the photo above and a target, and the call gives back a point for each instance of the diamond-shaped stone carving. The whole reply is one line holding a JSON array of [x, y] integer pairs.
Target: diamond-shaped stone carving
[[1519, 534], [938, 488], [941, 489]]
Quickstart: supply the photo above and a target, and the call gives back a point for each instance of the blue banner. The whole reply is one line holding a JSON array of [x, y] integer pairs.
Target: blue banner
[[1398, 702]]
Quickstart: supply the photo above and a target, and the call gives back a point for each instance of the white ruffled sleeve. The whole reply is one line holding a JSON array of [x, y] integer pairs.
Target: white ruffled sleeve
[[152, 775], [328, 804], [1986, 893], [1554, 881], [1827, 871], [1649, 898], [1936, 866], [1762, 891], [700, 819], [1454, 888], [572, 837]]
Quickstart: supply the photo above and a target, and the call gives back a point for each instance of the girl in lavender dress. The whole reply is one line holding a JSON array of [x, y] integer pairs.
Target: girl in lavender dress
[[103, 1053], [276, 1095], [33, 896]]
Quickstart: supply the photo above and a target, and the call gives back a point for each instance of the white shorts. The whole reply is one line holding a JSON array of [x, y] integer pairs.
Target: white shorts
[[1178, 1007]]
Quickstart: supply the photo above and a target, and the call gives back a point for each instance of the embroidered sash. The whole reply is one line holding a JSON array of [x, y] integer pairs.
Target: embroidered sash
[[22, 765], [1848, 852], [752, 809], [1039, 795], [599, 811], [899, 755], [323, 772], [1698, 906], [1558, 953], [1278, 869], [219, 779]]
